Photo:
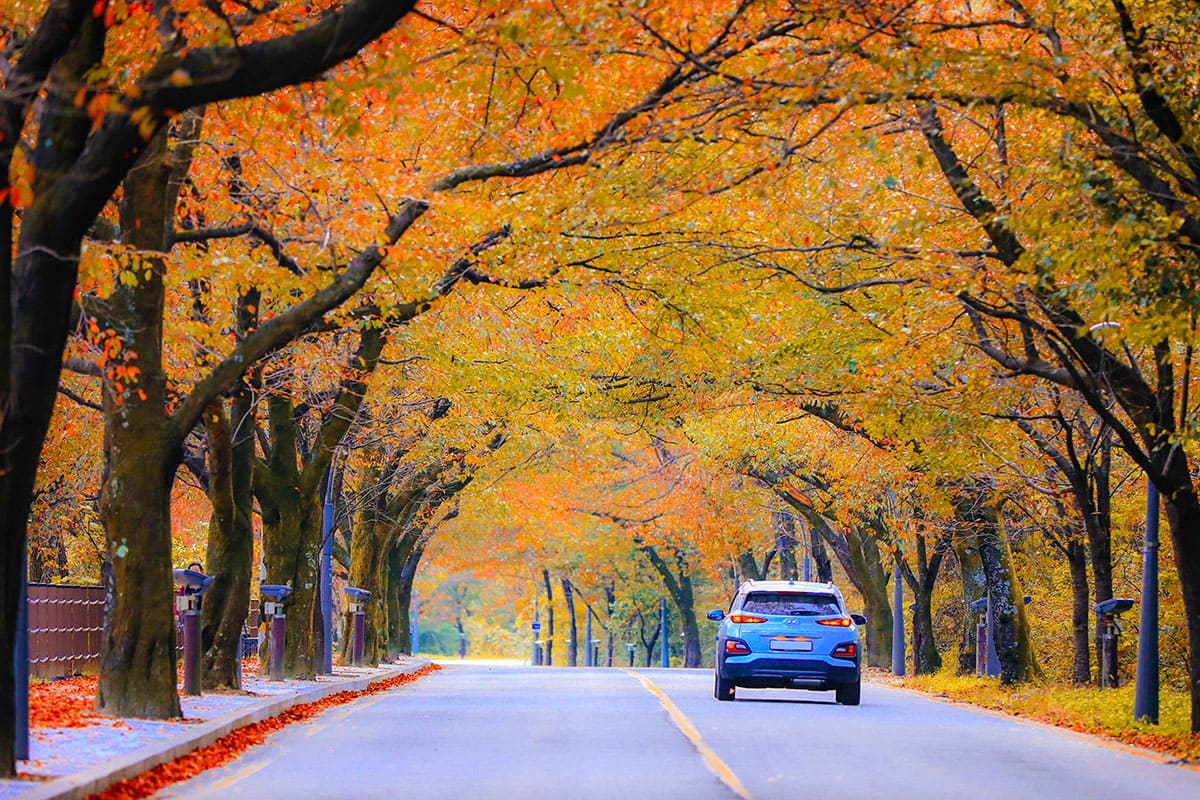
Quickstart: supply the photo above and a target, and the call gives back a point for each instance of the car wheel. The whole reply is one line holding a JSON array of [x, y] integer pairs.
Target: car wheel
[[722, 689], [848, 694]]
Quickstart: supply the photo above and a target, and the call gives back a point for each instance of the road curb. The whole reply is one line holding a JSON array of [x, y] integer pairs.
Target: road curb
[[97, 779]]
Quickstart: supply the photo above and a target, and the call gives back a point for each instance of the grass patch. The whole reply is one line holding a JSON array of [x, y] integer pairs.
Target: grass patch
[[1102, 712]]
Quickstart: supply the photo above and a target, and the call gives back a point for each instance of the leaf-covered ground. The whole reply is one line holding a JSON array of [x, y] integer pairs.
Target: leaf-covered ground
[[1099, 712]]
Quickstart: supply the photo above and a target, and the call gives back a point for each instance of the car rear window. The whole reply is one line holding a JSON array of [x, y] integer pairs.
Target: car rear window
[[801, 604]]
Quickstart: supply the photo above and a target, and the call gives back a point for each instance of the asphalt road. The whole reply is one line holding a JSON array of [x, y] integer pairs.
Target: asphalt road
[[478, 731]]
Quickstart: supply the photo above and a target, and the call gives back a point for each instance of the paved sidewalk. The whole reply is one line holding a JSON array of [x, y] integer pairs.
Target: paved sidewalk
[[71, 763]]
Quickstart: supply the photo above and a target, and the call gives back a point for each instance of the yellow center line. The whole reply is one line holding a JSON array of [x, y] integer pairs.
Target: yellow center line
[[711, 760], [225, 783]]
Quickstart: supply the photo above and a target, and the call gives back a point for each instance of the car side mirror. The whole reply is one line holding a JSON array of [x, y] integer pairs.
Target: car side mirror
[[716, 615], [859, 619]]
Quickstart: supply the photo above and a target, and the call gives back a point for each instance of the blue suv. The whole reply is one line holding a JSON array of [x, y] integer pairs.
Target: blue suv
[[790, 635]]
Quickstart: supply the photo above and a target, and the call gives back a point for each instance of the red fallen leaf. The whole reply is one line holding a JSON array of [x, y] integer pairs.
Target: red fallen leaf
[[67, 703], [230, 746]]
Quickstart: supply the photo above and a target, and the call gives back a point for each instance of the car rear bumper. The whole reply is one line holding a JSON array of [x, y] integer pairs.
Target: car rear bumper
[[775, 671]]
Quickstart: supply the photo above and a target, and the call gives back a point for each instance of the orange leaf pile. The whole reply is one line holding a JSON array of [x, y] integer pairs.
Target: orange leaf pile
[[65, 703], [230, 746]]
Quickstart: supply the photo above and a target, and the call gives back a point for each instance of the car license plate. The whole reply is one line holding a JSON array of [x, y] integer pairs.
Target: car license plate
[[791, 645]]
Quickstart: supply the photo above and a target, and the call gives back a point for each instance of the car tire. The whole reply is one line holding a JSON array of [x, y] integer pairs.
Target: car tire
[[722, 689], [848, 694]]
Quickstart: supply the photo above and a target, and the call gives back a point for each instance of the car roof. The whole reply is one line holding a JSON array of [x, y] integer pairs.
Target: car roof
[[789, 586]]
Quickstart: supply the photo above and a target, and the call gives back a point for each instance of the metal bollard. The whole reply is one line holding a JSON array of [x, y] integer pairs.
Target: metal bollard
[[1108, 628], [981, 643], [194, 584], [1108, 654], [356, 606], [191, 651], [272, 606]]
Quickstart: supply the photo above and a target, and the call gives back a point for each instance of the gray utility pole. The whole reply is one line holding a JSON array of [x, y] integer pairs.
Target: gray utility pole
[[806, 534], [1145, 688], [897, 620], [587, 635], [662, 633], [21, 668], [533, 634], [993, 657], [326, 665], [415, 636]]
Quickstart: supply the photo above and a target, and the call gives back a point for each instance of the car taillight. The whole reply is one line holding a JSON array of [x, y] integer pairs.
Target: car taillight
[[836, 622], [743, 619], [736, 646], [847, 650]]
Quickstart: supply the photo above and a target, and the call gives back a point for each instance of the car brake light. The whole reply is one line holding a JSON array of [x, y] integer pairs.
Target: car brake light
[[743, 619], [736, 646], [847, 650], [836, 622]]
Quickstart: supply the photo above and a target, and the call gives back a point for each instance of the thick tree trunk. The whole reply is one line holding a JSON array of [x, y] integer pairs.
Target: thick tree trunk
[[1183, 517], [867, 573], [974, 588], [1010, 629], [137, 664], [230, 544], [573, 642], [367, 547], [399, 600], [687, 618], [291, 536], [405, 579]]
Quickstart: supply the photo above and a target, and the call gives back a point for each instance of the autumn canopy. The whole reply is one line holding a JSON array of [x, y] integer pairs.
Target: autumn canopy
[[591, 304]]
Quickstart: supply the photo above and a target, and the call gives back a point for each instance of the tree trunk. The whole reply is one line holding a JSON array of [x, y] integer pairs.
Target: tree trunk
[[679, 587], [926, 658], [573, 642], [367, 549], [869, 577], [784, 524], [1096, 509], [1081, 667], [137, 664], [974, 588], [1010, 629], [1183, 517], [651, 644], [610, 597], [821, 559], [549, 660], [687, 619], [230, 544]]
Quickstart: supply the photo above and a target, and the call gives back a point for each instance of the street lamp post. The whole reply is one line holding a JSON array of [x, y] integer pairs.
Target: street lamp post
[[414, 645], [21, 668], [666, 652], [806, 534], [326, 666], [897, 621], [1145, 689], [587, 656]]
